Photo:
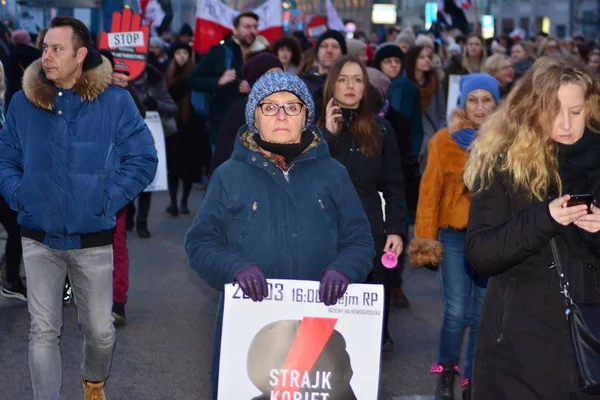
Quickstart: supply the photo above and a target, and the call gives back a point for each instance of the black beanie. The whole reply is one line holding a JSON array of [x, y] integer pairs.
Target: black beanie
[[178, 46], [337, 36], [186, 29], [258, 65], [387, 51]]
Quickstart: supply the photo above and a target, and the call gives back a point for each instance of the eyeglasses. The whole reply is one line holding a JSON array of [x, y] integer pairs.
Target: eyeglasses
[[272, 109]]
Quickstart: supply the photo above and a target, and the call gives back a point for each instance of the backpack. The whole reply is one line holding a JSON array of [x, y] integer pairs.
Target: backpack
[[201, 100]]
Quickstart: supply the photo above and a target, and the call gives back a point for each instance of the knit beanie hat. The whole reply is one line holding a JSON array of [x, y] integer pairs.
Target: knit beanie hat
[[379, 80], [21, 36], [355, 47], [180, 45], [387, 51], [275, 82], [337, 36], [424, 40], [156, 41], [258, 65], [406, 36], [186, 29], [470, 83]]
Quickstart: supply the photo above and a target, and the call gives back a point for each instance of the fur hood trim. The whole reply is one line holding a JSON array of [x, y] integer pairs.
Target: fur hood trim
[[425, 253], [459, 121], [40, 91]]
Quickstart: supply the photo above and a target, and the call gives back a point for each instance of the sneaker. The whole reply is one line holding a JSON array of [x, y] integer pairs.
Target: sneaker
[[93, 391], [172, 210], [399, 299], [14, 290], [118, 312], [445, 384], [183, 209], [67, 293]]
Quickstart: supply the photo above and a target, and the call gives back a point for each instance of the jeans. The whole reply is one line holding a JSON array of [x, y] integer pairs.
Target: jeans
[[90, 272], [121, 264], [463, 292]]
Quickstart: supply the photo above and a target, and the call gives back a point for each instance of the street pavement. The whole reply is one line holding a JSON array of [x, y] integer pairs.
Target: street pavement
[[164, 351]]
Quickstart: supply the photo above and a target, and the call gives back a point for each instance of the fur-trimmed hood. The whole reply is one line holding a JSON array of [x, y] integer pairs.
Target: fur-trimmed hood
[[460, 121], [41, 92]]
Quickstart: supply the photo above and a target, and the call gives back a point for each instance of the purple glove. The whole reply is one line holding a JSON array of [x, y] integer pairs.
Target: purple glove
[[333, 286], [253, 282]]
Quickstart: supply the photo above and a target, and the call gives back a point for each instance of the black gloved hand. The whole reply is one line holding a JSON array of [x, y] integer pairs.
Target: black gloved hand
[[150, 103], [253, 282], [333, 286]]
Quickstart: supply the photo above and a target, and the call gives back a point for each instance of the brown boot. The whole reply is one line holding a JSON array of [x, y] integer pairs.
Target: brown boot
[[93, 391], [399, 299]]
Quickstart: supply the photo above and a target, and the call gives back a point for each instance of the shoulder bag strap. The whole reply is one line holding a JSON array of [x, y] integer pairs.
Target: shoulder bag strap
[[562, 279]]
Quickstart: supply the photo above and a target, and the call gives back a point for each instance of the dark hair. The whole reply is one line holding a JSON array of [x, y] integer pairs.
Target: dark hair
[[291, 43], [410, 64], [392, 29], [81, 34], [541, 33], [364, 128], [360, 34], [250, 14]]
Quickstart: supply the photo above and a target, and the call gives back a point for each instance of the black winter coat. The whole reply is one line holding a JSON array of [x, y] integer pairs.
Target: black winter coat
[[233, 121], [21, 56], [316, 85], [523, 346], [206, 76], [410, 162], [370, 176]]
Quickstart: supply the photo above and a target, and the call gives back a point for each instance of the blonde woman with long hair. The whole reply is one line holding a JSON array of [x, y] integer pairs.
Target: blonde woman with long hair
[[472, 61], [540, 148]]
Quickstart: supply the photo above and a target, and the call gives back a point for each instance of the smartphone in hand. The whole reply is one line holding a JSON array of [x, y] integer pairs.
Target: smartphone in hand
[[580, 199]]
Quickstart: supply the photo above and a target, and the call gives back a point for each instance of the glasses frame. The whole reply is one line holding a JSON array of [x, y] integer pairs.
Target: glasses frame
[[285, 110]]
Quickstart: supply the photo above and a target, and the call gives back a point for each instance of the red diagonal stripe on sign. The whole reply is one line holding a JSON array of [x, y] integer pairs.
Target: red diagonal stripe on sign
[[313, 334]]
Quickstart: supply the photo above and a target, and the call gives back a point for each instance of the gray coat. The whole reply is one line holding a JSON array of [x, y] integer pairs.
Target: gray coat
[[434, 119]]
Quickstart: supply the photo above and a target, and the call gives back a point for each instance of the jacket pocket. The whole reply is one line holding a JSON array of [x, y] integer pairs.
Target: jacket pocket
[[101, 196], [243, 222], [507, 301]]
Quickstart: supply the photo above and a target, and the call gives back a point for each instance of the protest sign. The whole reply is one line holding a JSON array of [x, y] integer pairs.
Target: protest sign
[[128, 42], [160, 179], [292, 347]]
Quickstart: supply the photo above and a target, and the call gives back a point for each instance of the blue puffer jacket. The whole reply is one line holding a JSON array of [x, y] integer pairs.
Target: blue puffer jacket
[[70, 159], [294, 225]]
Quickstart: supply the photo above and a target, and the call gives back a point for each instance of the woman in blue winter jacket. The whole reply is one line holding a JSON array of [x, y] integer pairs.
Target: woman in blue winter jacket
[[281, 207]]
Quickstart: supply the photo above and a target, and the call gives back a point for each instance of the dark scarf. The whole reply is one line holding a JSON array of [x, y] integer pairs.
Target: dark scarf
[[579, 164], [289, 151]]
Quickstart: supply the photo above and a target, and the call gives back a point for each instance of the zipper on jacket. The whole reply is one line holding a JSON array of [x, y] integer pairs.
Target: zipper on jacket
[[506, 303], [286, 174]]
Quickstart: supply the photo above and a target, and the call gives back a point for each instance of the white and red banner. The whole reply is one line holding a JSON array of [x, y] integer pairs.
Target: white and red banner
[[293, 347], [214, 19]]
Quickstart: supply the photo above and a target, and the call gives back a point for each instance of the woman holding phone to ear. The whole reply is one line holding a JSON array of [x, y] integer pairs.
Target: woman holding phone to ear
[[537, 150], [366, 146]]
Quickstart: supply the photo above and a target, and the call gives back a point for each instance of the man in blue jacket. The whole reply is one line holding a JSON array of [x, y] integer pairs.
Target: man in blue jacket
[[74, 150]]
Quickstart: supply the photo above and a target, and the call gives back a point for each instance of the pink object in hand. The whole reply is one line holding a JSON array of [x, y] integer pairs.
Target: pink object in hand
[[389, 260]]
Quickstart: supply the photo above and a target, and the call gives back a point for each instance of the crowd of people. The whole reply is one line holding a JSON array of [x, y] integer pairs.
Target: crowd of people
[[317, 156]]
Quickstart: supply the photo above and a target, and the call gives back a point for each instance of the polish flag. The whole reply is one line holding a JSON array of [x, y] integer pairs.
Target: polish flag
[[214, 19]]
